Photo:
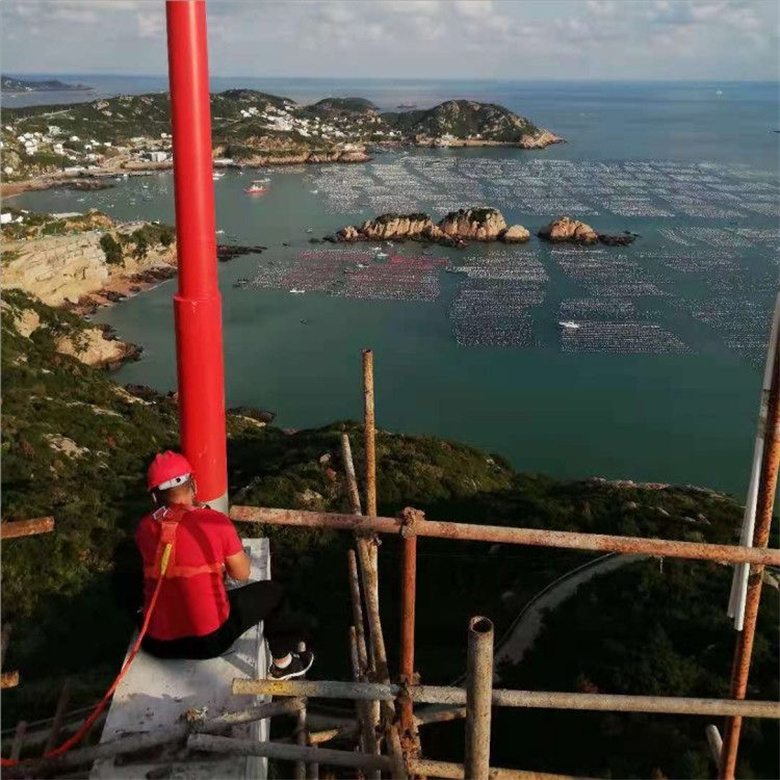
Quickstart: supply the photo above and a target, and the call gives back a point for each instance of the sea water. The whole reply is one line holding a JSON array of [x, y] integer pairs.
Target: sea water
[[661, 380]]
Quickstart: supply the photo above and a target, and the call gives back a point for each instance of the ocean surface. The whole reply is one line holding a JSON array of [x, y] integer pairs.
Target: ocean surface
[[659, 382]]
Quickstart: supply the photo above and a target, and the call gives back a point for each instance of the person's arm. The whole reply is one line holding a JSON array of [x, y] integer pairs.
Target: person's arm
[[238, 566]]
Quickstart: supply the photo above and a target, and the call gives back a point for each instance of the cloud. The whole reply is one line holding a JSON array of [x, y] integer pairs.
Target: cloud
[[684, 39]]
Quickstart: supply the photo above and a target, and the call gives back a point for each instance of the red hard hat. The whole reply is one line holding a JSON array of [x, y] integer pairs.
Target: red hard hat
[[168, 470]]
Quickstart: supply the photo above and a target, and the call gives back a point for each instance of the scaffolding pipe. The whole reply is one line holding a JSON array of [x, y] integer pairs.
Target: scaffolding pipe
[[502, 697], [283, 752], [131, 743], [301, 739], [59, 714], [13, 529], [364, 709], [479, 694], [408, 597], [197, 305], [369, 422], [764, 511], [18, 743], [535, 537], [739, 580], [357, 616], [426, 768], [349, 468], [715, 742]]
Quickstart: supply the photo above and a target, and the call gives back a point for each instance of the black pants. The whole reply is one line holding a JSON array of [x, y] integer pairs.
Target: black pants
[[248, 606]]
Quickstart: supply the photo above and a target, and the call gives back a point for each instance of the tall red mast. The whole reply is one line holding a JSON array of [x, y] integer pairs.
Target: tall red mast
[[198, 305]]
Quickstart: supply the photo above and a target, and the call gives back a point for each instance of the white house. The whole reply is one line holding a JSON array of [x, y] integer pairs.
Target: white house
[[5, 218]]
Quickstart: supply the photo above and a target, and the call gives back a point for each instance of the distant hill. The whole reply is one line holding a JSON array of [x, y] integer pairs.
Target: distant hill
[[462, 119], [352, 105], [11, 84], [251, 128]]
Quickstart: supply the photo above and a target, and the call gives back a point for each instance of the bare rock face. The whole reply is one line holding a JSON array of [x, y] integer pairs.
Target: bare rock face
[[98, 348], [566, 229], [475, 224], [516, 234], [64, 269], [540, 140]]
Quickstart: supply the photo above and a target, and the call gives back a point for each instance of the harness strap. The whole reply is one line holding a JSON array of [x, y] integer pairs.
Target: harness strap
[[169, 519], [153, 572]]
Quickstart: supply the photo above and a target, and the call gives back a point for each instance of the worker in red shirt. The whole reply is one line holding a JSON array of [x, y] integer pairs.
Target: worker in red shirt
[[195, 616]]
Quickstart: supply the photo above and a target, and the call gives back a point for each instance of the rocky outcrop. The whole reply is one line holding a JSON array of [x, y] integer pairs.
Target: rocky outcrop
[[516, 234], [572, 231], [568, 230], [458, 227], [98, 347], [540, 140], [67, 269]]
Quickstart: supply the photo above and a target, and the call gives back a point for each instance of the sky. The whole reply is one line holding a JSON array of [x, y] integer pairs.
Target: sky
[[711, 40]]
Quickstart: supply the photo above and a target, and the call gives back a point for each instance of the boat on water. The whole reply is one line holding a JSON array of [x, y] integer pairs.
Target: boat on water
[[255, 189], [296, 291], [381, 255], [313, 192], [309, 230], [217, 175], [569, 325]]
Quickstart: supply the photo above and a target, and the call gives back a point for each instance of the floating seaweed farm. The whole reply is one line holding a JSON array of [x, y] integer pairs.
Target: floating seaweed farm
[[703, 272]]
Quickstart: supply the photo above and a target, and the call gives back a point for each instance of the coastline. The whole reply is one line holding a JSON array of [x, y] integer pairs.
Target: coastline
[[262, 159]]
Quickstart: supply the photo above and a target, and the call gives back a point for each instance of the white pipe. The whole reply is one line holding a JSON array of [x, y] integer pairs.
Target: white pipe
[[739, 582]]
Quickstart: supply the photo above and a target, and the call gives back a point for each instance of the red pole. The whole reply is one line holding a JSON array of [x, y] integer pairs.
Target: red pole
[[198, 305]]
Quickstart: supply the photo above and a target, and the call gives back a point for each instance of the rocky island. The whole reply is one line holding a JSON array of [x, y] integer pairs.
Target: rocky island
[[47, 145], [455, 229], [572, 231]]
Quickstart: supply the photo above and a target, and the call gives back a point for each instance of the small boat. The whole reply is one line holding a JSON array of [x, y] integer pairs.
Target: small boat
[[313, 192], [217, 175], [381, 255], [220, 232], [309, 230], [296, 291], [569, 325], [254, 189]]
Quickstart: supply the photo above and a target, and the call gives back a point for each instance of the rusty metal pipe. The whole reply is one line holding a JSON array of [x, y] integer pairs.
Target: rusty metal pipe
[[439, 716], [283, 752], [369, 430], [426, 768], [534, 537], [479, 695], [764, 509], [13, 529], [408, 596], [502, 697]]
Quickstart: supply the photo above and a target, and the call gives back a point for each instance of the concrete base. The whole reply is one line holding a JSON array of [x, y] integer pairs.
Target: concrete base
[[155, 695]]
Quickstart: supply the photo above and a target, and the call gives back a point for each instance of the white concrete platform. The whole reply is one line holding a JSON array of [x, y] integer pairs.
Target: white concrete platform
[[155, 695]]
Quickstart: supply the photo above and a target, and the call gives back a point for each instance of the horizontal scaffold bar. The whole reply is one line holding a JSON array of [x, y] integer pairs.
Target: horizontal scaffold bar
[[432, 694], [426, 768], [537, 537], [249, 747]]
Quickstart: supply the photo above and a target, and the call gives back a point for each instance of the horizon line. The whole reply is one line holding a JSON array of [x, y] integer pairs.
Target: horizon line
[[22, 73]]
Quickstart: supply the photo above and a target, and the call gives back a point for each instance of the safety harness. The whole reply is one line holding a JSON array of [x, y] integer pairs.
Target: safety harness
[[169, 519]]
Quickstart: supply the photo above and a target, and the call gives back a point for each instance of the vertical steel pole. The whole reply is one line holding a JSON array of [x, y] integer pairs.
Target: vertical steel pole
[[479, 694], [370, 431], [197, 305], [409, 517], [764, 509]]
